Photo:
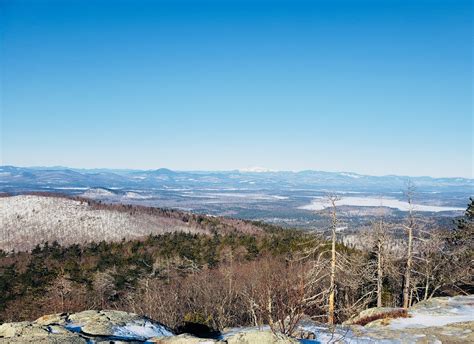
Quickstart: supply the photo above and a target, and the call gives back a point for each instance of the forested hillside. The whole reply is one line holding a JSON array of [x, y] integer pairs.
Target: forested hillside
[[28, 220], [224, 277]]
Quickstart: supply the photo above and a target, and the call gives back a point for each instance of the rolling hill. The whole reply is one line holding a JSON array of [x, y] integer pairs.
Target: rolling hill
[[28, 220]]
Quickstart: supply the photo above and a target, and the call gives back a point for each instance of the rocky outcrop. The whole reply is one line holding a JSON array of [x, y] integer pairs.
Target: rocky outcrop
[[261, 337], [84, 327], [440, 320], [115, 326], [184, 339], [26, 332]]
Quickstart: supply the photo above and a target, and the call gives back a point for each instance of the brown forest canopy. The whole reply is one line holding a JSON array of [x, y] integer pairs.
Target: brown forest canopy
[[229, 277]]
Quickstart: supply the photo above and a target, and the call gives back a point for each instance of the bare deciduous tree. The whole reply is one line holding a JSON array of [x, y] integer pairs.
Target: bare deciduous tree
[[103, 284], [379, 238], [409, 228], [332, 198]]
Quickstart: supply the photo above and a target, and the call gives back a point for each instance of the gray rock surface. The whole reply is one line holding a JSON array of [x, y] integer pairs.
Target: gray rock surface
[[440, 320], [26, 332], [261, 337], [183, 339], [82, 327]]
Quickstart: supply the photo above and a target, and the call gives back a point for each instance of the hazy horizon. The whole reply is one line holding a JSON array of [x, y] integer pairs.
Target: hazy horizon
[[248, 169]]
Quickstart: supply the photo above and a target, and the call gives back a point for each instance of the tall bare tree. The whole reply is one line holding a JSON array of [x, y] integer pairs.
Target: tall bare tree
[[381, 238], [332, 198], [409, 228]]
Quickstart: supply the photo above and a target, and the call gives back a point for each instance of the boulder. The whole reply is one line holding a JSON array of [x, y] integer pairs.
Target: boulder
[[57, 329], [25, 328], [95, 325], [12, 329], [50, 319], [27, 332], [85, 317], [111, 323], [52, 339], [198, 330], [183, 339], [261, 337]]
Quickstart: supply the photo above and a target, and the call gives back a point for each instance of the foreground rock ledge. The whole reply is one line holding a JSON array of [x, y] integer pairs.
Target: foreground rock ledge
[[440, 320], [115, 326]]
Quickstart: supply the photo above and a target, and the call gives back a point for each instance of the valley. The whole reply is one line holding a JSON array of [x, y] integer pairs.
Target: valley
[[76, 251], [288, 199]]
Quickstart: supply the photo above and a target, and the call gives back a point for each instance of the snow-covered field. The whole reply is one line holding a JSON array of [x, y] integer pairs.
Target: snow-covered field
[[320, 203]]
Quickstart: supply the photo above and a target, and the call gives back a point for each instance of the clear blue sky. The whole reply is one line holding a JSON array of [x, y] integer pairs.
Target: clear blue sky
[[375, 87]]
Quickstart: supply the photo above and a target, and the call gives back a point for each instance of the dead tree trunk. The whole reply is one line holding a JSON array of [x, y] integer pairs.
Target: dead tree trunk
[[427, 287], [409, 228], [333, 199], [379, 271], [378, 239]]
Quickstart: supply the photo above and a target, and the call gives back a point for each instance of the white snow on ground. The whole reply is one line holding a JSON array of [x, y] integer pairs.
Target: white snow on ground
[[324, 335], [421, 320], [320, 203], [141, 332], [449, 311], [28, 220], [339, 334], [53, 330], [456, 310], [235, 330]]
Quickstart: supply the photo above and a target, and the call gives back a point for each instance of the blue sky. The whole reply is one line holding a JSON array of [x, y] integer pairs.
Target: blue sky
[[375, 87]]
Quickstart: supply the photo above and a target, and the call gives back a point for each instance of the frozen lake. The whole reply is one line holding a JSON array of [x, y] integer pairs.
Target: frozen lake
[[320, 203]]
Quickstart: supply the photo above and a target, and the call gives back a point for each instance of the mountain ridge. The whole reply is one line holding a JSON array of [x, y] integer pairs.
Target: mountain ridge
[[251, 170]]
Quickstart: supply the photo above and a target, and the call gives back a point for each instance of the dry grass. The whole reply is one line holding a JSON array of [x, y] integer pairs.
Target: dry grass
[[400, 313]]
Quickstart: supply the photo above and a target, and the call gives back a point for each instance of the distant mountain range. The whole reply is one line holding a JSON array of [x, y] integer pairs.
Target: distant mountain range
[[14, 179], [285, 198]]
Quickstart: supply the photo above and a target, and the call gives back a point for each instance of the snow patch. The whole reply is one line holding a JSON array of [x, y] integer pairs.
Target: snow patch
[[457, 309], [135, 331], [429, 320]]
